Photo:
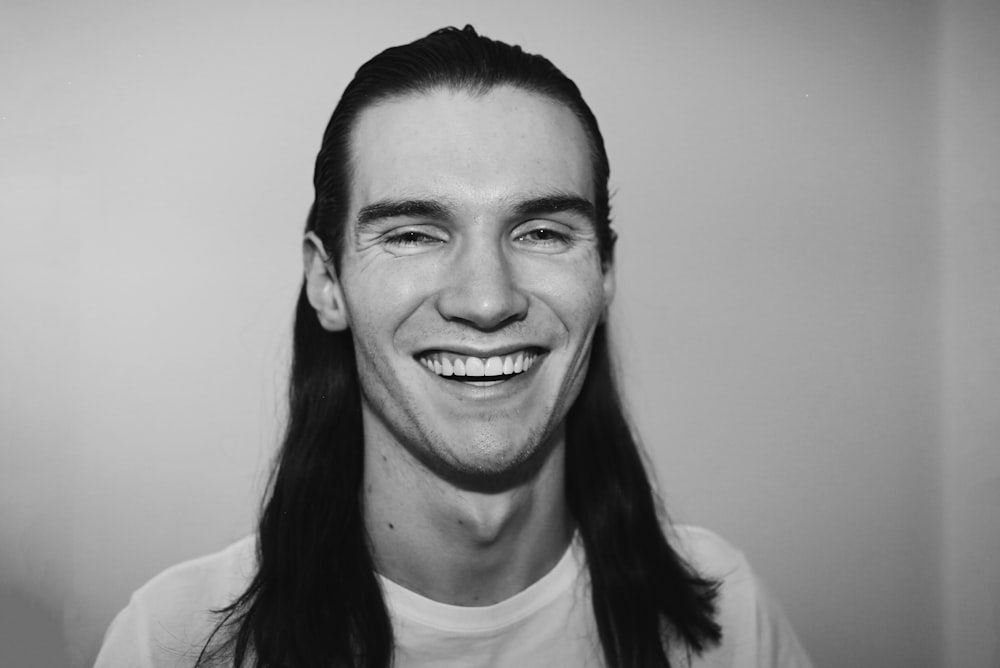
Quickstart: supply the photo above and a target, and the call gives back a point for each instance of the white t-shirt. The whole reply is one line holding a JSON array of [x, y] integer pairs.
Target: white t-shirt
[[549, 624]]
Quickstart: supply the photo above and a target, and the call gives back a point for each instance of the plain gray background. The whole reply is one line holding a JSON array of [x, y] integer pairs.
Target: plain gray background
[[807, 312]]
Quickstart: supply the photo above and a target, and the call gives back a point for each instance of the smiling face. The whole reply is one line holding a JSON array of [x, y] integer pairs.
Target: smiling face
[[470, 278]]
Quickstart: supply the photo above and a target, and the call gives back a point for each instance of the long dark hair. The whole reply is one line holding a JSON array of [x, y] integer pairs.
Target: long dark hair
[[316, 599]]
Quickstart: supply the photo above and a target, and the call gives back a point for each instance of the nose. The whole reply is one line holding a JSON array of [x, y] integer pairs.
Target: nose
[[482, 288]]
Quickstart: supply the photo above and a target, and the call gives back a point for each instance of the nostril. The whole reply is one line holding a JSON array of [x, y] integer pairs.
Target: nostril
[[487, 298]]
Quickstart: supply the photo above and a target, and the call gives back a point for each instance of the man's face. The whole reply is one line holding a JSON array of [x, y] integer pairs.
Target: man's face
[[471, 248]]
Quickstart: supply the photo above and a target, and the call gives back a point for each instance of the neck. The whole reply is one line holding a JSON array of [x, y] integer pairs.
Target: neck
[[459, 546]]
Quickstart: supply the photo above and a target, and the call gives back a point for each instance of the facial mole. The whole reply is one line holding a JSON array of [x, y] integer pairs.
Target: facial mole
[[391, 526]]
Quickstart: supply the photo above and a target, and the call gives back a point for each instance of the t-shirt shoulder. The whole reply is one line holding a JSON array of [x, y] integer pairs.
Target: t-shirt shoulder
[[755, 630], [709, 553], [167, 620], [216, 577]]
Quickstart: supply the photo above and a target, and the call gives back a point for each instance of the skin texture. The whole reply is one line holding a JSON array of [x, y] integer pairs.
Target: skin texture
[[468, 232]]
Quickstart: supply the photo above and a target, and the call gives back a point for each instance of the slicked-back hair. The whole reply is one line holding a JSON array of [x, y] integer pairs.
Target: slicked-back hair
[[316, 600]]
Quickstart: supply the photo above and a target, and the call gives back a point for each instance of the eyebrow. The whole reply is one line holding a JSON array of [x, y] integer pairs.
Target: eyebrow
[[424, 208], [409, 208], [556, 203]]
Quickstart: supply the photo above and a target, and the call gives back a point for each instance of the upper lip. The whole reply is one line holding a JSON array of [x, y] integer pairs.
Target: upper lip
[[471, 351]]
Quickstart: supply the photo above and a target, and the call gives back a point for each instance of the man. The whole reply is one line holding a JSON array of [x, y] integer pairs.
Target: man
[[457, 484]]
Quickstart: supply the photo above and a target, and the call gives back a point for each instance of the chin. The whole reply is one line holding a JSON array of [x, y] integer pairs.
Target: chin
[[490, 464]]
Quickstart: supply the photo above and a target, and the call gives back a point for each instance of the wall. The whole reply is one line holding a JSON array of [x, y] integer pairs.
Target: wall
[[970, 242], [775, 166], [781, 334]]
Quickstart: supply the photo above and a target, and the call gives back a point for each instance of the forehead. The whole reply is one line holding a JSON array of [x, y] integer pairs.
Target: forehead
[[473, 149]]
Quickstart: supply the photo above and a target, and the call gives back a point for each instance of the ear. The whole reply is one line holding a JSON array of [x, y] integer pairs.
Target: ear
[[609, 290], [322, 287]]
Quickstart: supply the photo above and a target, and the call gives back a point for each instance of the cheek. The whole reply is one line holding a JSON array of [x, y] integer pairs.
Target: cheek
[[381, 304], [579, 301], [380, 298]]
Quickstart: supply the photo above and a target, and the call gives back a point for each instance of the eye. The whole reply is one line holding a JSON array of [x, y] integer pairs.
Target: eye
[[544, 237], [409, 239]]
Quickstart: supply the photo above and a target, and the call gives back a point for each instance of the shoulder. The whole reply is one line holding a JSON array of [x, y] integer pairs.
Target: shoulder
[[708, 552], [755, 630], [714, 558], [212, 578], [170, 617]]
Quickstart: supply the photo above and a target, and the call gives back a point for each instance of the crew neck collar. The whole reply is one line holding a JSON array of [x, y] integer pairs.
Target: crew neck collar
[[417, 608]]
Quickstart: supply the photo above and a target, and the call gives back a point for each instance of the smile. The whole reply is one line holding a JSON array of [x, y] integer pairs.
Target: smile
[[495, 368]]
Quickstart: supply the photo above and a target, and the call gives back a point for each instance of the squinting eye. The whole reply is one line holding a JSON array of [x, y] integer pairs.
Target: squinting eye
[[544, 236], [410, 238]]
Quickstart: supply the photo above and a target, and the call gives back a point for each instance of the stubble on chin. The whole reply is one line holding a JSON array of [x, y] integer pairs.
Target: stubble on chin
[[488, 461]]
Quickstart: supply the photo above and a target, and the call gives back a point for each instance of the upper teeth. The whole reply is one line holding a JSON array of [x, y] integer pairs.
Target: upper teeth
[[448, 364]]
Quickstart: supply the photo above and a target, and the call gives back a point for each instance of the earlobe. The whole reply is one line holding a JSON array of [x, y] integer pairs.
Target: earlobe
[[322, 285]]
